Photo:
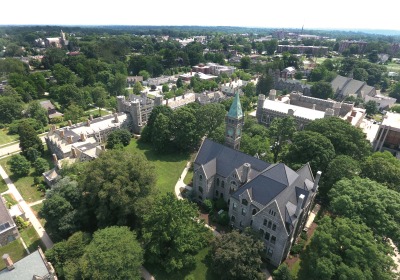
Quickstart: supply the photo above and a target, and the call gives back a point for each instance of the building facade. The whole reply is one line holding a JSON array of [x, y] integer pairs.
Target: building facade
[[388, 136]]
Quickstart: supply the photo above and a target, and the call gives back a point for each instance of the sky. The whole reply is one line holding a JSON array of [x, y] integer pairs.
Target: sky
[[312, 14]]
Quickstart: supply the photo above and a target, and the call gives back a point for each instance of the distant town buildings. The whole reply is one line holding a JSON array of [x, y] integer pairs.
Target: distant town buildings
[[314, 50], [346, 44]]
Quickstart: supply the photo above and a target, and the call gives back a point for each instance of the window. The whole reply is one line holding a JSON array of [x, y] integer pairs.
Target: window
[[261, 232], [272, 212], [217, 182], [223, 184], [233, 218], [274, 227], [244, 202], [270, 252], [4, 226], [200, 177], [273, 239], [266, 236], [240, 224], [217, 193], [244, 211], [254, 212], [251, 222], [200, 189], [234, 206], [265, 222], [269, 224]]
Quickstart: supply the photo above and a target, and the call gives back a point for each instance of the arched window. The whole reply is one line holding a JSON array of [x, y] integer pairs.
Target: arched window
[[233, 218], [223, 184], [217, 182], [200, 177], [261, 232], [244, 201], [266, 236], [200, 189], [254, 212]]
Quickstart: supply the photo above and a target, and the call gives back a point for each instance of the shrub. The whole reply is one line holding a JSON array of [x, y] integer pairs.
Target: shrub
[[208, 205], [19, 165], [41, 165], [221, 204], [298, 247], [223, 218], [21, 224]]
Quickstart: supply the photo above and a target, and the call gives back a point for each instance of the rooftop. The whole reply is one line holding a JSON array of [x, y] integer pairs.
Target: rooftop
[[392, 120], [300, 112]]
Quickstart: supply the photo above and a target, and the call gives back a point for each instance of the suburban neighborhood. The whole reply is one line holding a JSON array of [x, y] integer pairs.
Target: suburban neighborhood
[[188, 152]]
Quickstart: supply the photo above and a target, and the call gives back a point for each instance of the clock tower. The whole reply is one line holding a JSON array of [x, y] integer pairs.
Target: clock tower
[[234, 123]]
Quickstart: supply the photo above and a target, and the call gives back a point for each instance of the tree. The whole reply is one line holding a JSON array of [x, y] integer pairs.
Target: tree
[[144, 74], [41, 165], [264, 84], [118, 137], [239, 255], [112, 185], [10, 108], [383, 168], [172, 233], [282, 273], [209, 117], [63, 75], [28, 139], [19, 165], [114, 253], [179, 82], [280, 131], [370, 202], [343, 249], [322, 90], [340, 167], [137, 88], [312, 147], [345, 138], [37, 112], [161, 133], [186, 136], [73, 113], [371, 107], [245, 62]]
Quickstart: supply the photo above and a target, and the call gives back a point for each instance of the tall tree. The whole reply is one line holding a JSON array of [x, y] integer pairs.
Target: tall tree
[[372, 203], [112, 185], [322, 90], [172, 233], [114, 253], [119, 137], [312, 147], [19, 165], [264, 84], [29, 139], [10, 108], [345, 138], [37, 112], [343, 249], [239, 255], [280, 131], [209, 117]]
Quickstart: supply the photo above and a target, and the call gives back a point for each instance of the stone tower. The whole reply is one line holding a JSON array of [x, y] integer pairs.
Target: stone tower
[[234, 123]]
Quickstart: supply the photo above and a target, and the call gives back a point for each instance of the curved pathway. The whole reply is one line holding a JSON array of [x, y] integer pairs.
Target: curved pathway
[[28, 211]]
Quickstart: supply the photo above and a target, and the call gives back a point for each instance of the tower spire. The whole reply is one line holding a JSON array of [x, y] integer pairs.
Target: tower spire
[[234, 123]]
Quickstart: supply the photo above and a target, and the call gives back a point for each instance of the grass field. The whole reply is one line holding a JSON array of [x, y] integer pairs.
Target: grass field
[[393, 67], [168, 166], [3, 186], [10, 198], [188, 178], [199, 272], [15, 250], [36, 208], [6, 138], [31, 239]]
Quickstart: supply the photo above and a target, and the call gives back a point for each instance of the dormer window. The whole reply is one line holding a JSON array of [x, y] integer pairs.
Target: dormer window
[[200, 177], [245, 202]]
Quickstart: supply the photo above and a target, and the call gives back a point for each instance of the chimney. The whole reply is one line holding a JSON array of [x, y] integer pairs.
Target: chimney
[[272, 94], [8, 262], [91, 117], [116, 120], [83, 137], [53, 127], [313, 106], [299, 205], [353, 113], [88, 122], [246, 172], [69, 123], [73, 152], [290, 112], [62, 133], [69, 140], [316, 181], [349, 119], [103, 147]]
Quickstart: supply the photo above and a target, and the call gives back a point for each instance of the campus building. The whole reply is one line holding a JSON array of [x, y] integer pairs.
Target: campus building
[[388, 136]]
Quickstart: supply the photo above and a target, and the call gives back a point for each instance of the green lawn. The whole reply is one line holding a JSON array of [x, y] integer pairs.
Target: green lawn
[[36, 208], [168, 166], [3, 186], [10, 198], [188, 178], [6, 138], [199, 272], [15, 250], [295, 269], [31, 239], [393, 67]]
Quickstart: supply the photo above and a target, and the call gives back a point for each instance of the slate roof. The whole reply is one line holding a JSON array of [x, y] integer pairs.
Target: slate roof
[[348, 86], [236, 109], [225, 158]]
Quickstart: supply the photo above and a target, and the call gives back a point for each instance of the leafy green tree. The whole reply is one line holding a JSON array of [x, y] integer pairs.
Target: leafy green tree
[[73, 113], [19, 165], [13, 127], [280, 131], [383, 168], [179, 82], [343, 249], [137, 88], [63, 75], [41, 165], [161, 133], [340, 167], [370, 202], [119, 136], [322, 90], [10, 109], [371, 107], [114, 253], [345, 138], [394, 91], [209, 117], [172, 233], [112, 185], [144, 74], [29, 139], [282, 273], [186, 136], [249, 90], [147, 134], [312, 147], [264, 84], [360, 74], [37, 112], [245, 62], [239, 255]]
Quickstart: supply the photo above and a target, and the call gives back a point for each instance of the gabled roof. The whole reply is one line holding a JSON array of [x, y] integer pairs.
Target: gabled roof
[[226, 159], [236, 108]]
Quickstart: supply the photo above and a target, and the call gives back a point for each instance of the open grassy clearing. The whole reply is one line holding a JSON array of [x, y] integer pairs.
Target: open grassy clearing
[[6, 138]]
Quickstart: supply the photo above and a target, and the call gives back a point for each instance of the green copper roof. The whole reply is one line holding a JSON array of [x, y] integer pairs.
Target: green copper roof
[[236, 109]]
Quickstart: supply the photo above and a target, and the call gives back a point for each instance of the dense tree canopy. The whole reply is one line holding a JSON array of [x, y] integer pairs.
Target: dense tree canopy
[[343, 249], [19, 165], [345, 138], [28, 139], [119, 137], [280, 131], [372, 203], [237, 256], [322, 90], [172, 234]]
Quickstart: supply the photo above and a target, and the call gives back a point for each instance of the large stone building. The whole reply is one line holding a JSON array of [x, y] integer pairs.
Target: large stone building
[[388, 136], [344, 87], [305, 109], [272, 199]]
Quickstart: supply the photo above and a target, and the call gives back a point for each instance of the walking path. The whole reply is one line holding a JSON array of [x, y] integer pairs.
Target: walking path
[[28, 211], [35, 203]]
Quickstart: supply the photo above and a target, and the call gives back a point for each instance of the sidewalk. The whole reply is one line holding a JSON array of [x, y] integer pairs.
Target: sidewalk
[[180, 184], [28, 211]]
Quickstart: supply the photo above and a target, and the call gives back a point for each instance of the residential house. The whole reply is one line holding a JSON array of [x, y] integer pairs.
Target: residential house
[[131, 80], [8, 228], [272, 199], [344, 87], [51, 110]]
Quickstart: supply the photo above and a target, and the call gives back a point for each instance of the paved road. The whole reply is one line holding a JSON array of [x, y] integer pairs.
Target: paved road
[[28, 211], [13, 148]]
